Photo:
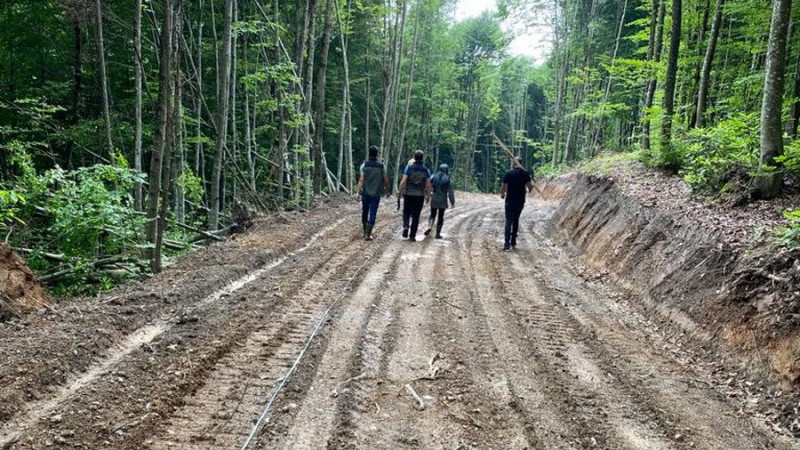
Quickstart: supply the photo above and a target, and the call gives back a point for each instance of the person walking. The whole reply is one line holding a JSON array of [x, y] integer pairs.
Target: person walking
[[372, 183], [442, 190], [513, 190], [416, 190]]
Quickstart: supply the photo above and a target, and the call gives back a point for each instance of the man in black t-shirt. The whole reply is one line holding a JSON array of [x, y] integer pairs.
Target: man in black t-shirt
[[517, 183]]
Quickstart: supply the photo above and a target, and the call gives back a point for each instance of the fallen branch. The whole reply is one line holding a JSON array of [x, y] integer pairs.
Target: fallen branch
[[199, 231], [344, 383], [410, 390]]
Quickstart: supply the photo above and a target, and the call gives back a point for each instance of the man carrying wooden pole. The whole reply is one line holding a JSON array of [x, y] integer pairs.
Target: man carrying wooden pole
[[515, 184]]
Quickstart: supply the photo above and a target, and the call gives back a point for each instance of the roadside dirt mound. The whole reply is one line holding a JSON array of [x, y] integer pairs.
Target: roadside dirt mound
[[20, 290], [731, 299]]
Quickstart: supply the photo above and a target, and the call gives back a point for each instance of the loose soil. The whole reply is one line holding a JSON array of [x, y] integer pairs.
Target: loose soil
[[20, 290], [439, 343]]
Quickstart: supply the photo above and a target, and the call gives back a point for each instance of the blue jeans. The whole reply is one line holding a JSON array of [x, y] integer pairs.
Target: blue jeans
[[369, 208]]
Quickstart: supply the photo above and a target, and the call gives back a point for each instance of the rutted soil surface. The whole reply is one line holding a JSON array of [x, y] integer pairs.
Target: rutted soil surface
[[445, 343]]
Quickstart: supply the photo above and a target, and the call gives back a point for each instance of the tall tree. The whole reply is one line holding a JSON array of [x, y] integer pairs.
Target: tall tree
[[154, 233], [705, 75], [138, 73], [101, 52], [223, 103], [770, 184], [670, 79]]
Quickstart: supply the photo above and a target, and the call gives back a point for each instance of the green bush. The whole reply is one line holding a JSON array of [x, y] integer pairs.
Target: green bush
[[720, 158], [789, 236]]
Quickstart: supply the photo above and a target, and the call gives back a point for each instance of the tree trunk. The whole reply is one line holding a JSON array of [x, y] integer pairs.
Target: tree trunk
[[223, 99], [770, 184], [671, 78], [409, 85], [159, 144], [650, 91], [319, 120], [77, 71], [138, 76], [101, 51], [177, 125], [792, 124], [702, 91]]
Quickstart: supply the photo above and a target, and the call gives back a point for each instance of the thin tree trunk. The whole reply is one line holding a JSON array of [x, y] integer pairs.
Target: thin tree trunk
[[702, 92], [77, 71], [223, 98], [652, 83], [138, 76], [409, 85], [307, 188], [171, 132], [159, 144], [671, 78], [770, 184], [101, 51], [177, 124], [792, 124], [319, 120]]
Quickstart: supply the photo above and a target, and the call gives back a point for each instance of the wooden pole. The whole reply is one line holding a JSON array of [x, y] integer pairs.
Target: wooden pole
[[511, 157]]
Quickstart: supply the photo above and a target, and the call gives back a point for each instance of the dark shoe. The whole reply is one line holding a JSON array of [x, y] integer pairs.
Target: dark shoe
[[405, 232], [412, 239], [513, 247], [427, 232], [438, 236], [506, 247], [364, 229], [368, 232]]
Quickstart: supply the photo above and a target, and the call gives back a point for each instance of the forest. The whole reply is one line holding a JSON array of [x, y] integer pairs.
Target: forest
[[132, 131]]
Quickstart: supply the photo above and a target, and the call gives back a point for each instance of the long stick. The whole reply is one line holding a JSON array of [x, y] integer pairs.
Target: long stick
[[511, 157]]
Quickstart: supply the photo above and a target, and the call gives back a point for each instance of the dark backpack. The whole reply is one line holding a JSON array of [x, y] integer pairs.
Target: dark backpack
[[417, 176], [441, 181]]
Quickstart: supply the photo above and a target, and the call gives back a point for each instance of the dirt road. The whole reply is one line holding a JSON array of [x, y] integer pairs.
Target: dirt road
[[446, 343]]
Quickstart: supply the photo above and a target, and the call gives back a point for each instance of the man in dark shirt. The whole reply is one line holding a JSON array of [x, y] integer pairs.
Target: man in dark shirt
[[416, 190], [372, 183], [517, 183]]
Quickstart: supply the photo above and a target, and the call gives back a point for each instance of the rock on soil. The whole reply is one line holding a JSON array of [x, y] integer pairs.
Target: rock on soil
[[20, 290]]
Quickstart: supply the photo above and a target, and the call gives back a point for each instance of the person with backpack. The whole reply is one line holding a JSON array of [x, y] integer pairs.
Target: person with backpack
[[442, 190], [416, 190], [372, 183], [513, 190]]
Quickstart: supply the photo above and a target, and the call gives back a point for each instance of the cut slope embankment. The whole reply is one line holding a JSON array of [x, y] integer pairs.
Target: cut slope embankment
[[743, 306]]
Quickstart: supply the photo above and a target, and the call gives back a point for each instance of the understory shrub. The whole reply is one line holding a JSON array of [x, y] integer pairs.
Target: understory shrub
[[721, 158]]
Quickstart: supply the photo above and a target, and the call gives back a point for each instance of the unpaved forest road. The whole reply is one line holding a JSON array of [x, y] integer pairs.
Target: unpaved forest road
[[503, 349]]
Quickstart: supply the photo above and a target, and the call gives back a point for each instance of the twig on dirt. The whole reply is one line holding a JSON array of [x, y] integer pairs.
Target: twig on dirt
[[473, 420], [413, 393], [448, 303], [344, 383], [377, 408], [432, 370], [132, 423]]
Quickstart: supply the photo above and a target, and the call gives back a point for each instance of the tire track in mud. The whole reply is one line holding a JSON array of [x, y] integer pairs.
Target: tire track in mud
[[337, 381], [647, 395], [261, 295], [366, 417], [477, 393], [535, 398], [243, 381]]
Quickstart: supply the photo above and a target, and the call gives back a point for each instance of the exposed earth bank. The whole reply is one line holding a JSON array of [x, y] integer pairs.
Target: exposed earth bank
[[703, 273], [299, 334]]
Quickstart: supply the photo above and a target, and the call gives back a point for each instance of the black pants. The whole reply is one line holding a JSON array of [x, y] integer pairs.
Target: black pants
[[438, 214], [513, 211], [412, 208]]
